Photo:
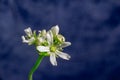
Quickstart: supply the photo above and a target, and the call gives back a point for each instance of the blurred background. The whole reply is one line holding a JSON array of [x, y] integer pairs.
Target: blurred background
[[92, 26]]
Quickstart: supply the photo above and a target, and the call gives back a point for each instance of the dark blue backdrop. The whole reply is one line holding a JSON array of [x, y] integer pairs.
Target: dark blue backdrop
[[93, 27]]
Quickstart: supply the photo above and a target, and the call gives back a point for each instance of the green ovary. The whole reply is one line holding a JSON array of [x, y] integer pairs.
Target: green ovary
[[53, 48]]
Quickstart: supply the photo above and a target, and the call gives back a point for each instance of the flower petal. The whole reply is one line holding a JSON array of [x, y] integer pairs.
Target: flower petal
[[50, 37], [53, 59], [39, 33], [43, 32], [43, 49], [61, 38], [65, 44], [55, 30], [63, 55], [41, 39], [28, 31], [24, 40]]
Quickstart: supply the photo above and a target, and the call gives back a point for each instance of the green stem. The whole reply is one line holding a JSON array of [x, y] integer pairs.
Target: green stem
[[36, 65]]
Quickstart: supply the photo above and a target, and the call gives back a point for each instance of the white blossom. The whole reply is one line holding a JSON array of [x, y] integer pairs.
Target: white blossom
[[48, 42], [29, 38], [28, 31], [52, 48]]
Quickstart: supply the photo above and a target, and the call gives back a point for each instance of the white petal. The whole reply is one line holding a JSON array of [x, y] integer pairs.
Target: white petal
[[41, 39], [65, 44], [29, 41], [63, 55], [24, 40], [28, 31], [55, 30], [39, 33], [43, 32], [53, 59], [61, 38], [50, 37], [43, 49]]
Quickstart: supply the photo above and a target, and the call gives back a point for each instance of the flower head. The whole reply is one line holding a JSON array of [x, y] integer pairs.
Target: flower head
[[56, 43], [29, 38], [48, 43]]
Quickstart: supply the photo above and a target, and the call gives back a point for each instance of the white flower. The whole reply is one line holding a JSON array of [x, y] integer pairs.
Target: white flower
[[28, 31], [29, 41], [42, 37], [29, 38], [49, 43], [55, 44]]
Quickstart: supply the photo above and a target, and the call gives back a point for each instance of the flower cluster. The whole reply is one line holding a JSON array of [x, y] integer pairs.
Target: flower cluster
[[48, 43]]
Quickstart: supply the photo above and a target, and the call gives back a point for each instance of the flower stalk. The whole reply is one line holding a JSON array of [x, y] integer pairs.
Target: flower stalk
[[36, 65]]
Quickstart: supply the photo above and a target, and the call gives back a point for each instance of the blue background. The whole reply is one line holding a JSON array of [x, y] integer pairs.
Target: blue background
[[92, 26]]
